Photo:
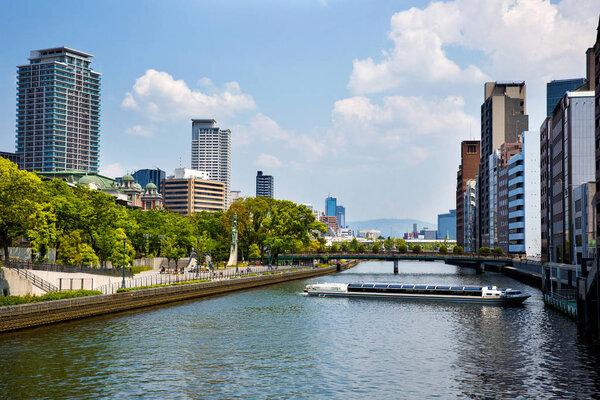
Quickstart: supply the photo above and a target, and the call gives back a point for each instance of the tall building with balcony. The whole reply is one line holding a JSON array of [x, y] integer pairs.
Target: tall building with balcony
[[211, 152], [503, 118], [470, 216], [524, 234], [264, 185], [58, 111], [467, 170]]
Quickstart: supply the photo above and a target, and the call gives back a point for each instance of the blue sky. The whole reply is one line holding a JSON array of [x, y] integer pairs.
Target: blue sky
[[364, 100]]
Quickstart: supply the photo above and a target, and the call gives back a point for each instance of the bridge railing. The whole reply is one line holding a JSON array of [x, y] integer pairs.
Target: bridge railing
[[395, 254]]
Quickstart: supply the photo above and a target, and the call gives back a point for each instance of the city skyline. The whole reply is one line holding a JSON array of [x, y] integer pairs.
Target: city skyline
[[368, 124]]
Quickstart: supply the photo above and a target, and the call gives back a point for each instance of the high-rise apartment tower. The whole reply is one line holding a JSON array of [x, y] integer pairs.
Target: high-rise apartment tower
[[503, 118], [58, 111], [264, 185], [211, 152]]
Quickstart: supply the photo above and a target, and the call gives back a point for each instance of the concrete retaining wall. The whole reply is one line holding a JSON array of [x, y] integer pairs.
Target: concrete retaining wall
[[49, 312], [14, 284]]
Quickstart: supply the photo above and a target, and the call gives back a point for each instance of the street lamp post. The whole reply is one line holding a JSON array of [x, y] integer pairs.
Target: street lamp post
[[147, 235], [123, 284], [292, 252], [197, 255]]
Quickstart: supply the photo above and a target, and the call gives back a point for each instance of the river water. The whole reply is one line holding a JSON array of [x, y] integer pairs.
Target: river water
[[273, 342]]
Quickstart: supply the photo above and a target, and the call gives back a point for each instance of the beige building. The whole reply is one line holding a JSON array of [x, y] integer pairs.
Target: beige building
[[189, 191]]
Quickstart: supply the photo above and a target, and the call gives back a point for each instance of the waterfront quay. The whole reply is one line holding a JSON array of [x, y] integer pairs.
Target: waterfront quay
[[42, 313]]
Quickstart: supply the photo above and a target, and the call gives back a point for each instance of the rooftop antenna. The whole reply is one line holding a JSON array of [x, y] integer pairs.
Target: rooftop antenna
[[179, 161]]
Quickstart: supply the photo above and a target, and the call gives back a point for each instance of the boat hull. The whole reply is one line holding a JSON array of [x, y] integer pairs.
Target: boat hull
[[501, 301]]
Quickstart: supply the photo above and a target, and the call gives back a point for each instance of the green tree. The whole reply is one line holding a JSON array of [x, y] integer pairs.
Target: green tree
[[353, 246], [402, 248], [443, 249], [388, 244], [361, 248], [498, 251], [254, 252], [334, 248], [484, 251], [20, 206], [416, 248], [457, 249], [376, 247], [73, 251]]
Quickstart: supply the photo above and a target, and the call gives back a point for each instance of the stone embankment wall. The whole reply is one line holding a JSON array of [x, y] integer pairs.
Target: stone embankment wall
[[49, 312]]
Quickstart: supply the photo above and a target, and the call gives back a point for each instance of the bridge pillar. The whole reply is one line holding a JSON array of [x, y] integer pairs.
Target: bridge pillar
[[396, 267]]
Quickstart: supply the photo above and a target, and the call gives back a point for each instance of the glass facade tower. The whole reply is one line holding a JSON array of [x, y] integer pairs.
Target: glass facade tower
[[58, 111], [555, 90]]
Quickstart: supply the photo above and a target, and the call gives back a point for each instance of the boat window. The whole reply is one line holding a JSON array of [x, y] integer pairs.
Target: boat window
[[381, 286], [472, 288], [420, 287], [430, 287], [457, 288], [408, 286], [395, 286], [443, 287]]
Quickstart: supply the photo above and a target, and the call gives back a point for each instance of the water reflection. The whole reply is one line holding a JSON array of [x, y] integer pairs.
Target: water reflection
[[274, 343]]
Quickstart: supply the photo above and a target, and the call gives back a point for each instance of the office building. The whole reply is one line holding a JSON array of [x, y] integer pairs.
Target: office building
[[503, 118], [234, 195], [58, 111], [211, 152], [189, 191], [340, 213], [428, 234], [470, 216], [583, 217], [331, 222], [545, 185], [146, 176], [556, 89], [331, 206], [524, 234], [571, 158], [13, 157], [447, 226], [467, 170], [596, 88], [264, 185]]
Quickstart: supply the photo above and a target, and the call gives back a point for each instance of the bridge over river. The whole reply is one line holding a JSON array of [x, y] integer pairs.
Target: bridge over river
[[477, 261]]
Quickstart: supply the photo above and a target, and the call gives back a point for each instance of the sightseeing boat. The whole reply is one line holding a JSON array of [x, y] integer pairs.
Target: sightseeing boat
[[461, 294]]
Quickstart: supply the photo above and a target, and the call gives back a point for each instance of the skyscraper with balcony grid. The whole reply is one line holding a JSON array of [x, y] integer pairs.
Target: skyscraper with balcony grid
[[211, 152], [58, 111]]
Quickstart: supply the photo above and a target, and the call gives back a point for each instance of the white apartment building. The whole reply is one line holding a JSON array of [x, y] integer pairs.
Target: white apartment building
[[211, 152]]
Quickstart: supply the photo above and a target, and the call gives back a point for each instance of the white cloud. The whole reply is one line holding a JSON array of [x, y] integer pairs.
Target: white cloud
[[267, 161], [139, 130], [160, 97], [400, 119], [518, 39], [111, 170]]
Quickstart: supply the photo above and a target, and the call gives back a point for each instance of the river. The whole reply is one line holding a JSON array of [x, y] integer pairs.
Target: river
[[273, 342]]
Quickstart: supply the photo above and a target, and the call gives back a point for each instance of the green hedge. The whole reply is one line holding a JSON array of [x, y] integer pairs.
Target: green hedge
[[163, 285], [137, 270], [31, 298]]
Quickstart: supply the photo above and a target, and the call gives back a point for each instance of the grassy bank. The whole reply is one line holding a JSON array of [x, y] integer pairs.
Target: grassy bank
[[31, 298]]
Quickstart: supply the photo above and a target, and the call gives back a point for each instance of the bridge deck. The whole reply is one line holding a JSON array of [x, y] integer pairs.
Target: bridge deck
[[396, 256]]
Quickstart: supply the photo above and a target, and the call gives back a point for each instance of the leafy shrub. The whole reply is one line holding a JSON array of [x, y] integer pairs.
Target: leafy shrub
[[31, 298], [484, 250], [403, 248], [443, 249], [416, 248], [498, 251], [122, 290], [137, 270], [457, 249]]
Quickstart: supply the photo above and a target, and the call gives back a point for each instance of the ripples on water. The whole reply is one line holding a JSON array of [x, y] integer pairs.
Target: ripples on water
[[274, 343]]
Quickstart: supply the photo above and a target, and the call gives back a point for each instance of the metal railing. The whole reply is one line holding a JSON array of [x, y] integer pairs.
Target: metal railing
[[35, 280], [116, 272], [173, 278]]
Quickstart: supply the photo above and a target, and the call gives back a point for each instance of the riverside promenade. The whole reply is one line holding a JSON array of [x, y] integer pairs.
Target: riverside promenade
[[49, 312]]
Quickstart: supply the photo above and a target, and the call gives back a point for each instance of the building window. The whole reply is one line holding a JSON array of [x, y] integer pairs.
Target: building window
[[471, 149]]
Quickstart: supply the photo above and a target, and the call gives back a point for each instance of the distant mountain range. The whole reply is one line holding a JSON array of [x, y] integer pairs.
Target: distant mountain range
[[390, 226]]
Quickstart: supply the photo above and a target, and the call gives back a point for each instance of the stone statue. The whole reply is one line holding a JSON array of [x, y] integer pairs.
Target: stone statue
[[234, 243]]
